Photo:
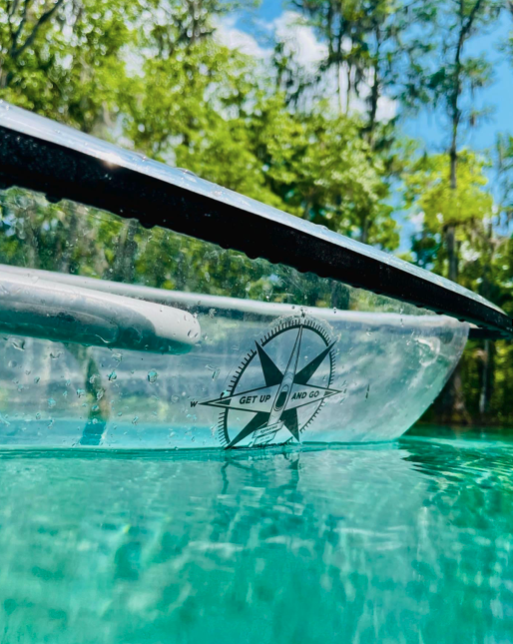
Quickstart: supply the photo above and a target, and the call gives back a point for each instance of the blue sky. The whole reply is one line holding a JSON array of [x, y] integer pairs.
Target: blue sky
[[270, 9], [426, 125]]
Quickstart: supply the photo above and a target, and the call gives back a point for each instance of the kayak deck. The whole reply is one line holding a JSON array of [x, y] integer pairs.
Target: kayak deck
[[47, 309]]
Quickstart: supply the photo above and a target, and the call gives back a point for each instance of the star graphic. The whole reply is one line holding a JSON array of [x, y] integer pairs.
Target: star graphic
[[276, 403]]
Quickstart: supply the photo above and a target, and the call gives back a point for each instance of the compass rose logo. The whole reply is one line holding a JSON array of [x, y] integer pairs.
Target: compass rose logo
[[279, 387]]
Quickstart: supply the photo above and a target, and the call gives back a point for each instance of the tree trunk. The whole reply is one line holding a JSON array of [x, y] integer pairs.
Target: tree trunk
[[72, 240], [488, 364], [339, 89], [486, 380], [340, 296], [364, 230], [349, 88], [374, 104], [450, 406], [452, 253], [375, 89], [124, 263], [27, 231], [4, 78]]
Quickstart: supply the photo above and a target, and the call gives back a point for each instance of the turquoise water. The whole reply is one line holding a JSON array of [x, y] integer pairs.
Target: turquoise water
[[402, 542]]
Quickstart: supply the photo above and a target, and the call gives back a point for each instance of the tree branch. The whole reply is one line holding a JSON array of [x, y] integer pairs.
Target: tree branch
[[45, 17], [468, 26], [18, 31]]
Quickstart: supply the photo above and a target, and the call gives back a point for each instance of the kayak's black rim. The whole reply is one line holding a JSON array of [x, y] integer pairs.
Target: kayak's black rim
[[65, 173]]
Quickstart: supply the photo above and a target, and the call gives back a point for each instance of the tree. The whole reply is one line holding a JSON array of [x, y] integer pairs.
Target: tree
[[448, 78], [429, 191], [461, 203], [65, 59], [455, 81], [23, 24], [341, 25], [372, 42], [177, 24]]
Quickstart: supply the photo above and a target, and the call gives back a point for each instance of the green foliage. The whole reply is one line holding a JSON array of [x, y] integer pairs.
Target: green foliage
[[485, 266], [428, 188], [326, 172], [64, 59]]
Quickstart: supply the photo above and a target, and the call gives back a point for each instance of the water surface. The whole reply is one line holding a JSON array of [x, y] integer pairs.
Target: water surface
[[401, 542]]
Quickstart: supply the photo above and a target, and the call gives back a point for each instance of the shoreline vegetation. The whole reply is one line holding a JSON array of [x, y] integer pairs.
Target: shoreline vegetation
[[323, 140]]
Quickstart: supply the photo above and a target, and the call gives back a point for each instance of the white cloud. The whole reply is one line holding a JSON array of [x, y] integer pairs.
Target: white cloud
[[469, 254], [301, 40], [387, 108], [417, 221], [235, 38], [289, 28]]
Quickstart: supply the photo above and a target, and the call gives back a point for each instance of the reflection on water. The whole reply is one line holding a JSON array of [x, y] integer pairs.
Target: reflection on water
[[407, 542]]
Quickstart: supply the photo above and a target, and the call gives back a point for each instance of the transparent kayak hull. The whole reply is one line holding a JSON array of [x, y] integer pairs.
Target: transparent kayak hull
[[113, 336], [262, 374]]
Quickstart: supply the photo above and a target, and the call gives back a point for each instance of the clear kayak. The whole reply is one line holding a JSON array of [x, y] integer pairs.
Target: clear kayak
[[117, 335]]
